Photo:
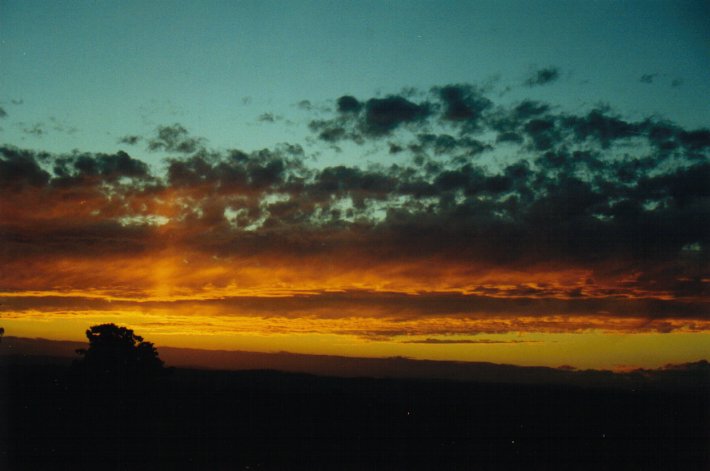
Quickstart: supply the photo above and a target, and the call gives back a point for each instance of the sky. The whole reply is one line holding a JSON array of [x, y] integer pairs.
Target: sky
[[516, 182]]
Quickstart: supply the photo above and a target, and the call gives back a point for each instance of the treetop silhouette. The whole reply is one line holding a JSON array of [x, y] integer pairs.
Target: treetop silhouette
[[117, 353]]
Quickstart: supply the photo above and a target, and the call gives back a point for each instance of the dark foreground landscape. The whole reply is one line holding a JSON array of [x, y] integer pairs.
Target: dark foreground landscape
[[200, 419]]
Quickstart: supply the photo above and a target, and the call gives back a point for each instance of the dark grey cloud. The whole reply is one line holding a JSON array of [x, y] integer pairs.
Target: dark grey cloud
[[544, 76], [462, 103], [543, 132], [450, 145], [505, 314], [529, 109], [383, 115], [72, 205], [372, 119], [40, 129], [130, 140], [332, 131], [37, 129], [438, 341], [19, 168], [458, 120], [266, 118], [648, 78], [395, 148], [174, 138], [527, 213], [359, 120], [107, 166], [509, 136], [61, 126], [348, 104], [601, 126], [237, 171], [698, 139], [78, 240]]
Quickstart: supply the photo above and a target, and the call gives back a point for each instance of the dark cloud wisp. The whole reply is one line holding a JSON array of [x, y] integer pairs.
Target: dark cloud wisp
[[174, 138], [543, 76]]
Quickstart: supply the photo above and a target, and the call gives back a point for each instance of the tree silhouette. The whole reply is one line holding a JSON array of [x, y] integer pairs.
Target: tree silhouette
[[117, 354]]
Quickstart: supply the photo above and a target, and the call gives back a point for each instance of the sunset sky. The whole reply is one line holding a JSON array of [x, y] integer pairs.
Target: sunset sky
[[517, 182]]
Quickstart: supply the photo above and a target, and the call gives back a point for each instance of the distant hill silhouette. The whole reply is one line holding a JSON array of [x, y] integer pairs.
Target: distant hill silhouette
[[695, 376], [205, 419]]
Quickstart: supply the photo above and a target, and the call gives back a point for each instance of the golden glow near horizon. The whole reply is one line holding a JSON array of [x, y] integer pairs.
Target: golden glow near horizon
[[326, 312], [592, 348], [544, 314]]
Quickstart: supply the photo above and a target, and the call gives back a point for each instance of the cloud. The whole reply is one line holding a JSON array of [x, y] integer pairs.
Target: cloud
[[305, 105], [498, 217], [266, 118], [437, 341], [37, 129], [19, 169], [648, 78], [447, 144], [130, 140], [107, 166], [61, 126], [174, 138], [376, 316], [348, 104], [375, 118], [40, 129], [456, 121], [601, 126], [632, 210], [544, 76], [331, 131], [462, 103], [395, 148], [3, 113], [383, 115], [529, 109]]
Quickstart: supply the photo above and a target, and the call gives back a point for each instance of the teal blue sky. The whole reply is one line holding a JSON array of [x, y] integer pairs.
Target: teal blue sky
[[81, 75]]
